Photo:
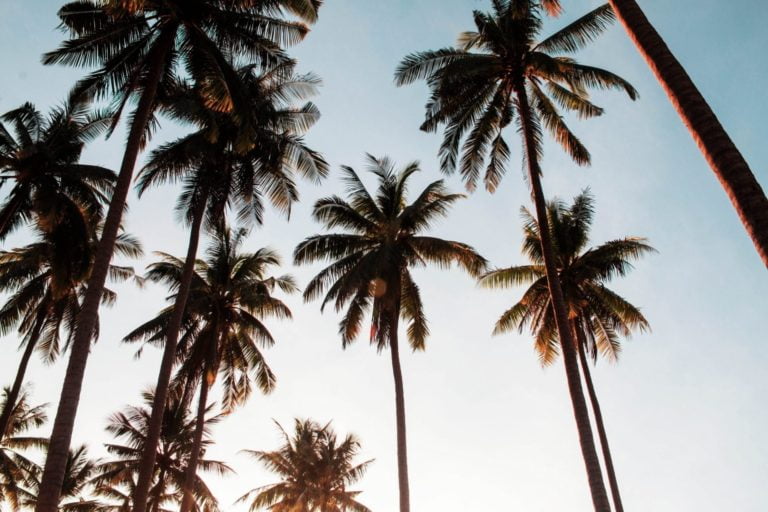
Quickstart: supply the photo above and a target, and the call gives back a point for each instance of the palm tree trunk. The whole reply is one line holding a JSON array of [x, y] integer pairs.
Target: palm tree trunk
[[580, 411], [159, 491], [13, 396], [146, 468], [609, 469], [721, 153], [188, 501], [402, 448], [61, 436]]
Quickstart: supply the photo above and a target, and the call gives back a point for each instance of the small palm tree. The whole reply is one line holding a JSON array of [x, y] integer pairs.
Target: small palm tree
[[40, 159], [371, 262], [316, 470], [17, 472], [597, 315], [115, 479], [138, 47], [76, 485], [501, 75], [230, 294]]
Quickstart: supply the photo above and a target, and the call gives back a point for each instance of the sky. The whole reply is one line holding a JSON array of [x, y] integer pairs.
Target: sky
[[488, 428]]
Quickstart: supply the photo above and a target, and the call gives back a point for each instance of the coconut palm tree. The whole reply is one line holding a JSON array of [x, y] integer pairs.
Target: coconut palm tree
[[115, 479], [46, 281], [40, 159], [722, 155], [230, 294], [138, 48], [371, 262], [219, 169], [315, 469], [502, 73], [76, 486], [17, 472], [598, 316]]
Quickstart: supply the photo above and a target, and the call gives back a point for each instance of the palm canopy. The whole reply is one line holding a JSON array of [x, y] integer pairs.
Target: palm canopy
[[222, 165], [476, 87], [316, 470], [599, 313], [382, 240], [230, 295], [115, 479], [40, 160], [76, 486], [123, 37]]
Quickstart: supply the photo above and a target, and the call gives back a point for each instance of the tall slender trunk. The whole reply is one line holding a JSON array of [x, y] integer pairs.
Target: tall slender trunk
[[609, 468], [61, 436], [146, 468], [721, 153], [397, 372], [13, 396], [188, 501], [580, 411]]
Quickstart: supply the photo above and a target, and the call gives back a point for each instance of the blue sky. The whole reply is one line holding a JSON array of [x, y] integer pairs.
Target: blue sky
[[488, 427]]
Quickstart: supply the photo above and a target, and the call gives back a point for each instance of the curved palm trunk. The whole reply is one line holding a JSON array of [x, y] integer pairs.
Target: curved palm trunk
[[61, 436], [609, 469], [402, 448], [149, 455], [13, 396], [721, 153], [188, 501], [580, 411]]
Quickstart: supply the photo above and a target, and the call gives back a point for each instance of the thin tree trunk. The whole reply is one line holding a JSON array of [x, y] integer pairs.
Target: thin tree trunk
[[580, 411], [13, 396], [402, 448], [146, 468], [61, 436], [188, 501], [721, 153], [609, 468]]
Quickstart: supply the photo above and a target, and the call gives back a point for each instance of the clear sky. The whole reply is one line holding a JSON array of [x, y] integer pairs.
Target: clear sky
[[489, 429]]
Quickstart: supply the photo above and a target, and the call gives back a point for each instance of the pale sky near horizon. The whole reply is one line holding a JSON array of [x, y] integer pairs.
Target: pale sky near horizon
[[489, 429]]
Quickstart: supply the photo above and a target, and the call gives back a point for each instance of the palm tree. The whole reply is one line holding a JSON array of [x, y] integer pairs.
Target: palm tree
[[115, 479], [722, 155], [222, 329], [597, 315], [40, 158], [499, 74], [371, 264], [46, 281], [17, 472], [217, 171], [138, 47], [316, 470], [77, 483]]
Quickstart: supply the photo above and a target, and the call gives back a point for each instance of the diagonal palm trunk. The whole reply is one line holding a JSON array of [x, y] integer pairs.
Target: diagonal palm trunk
[[187, 503], [61, 436], [149, 455], [13, 396], [721, 153], [580, 411], [609, 468], [402, 448]]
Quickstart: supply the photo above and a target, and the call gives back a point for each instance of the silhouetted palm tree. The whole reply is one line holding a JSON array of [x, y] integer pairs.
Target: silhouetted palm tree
[[316, 470], [138, 48], [76, 486], [371, 262], [230, 294], [597, 315], [502, 74]]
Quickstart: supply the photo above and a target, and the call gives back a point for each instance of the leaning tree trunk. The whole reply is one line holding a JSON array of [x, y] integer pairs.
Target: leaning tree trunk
[[397, 372], [13, 396], [580, 411], [61, 436], [147, 465], [609, 468], [188, 501], [721, 153]]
